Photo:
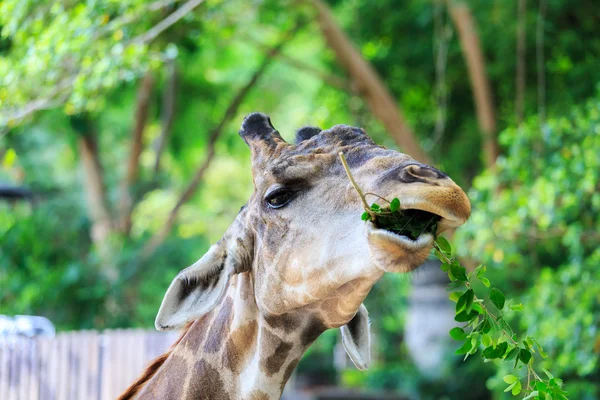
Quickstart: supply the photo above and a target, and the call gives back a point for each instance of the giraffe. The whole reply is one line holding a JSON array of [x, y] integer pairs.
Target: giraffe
[[295, 262]]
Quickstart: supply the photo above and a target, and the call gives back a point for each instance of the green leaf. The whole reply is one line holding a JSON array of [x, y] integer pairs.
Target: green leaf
[[548, 374], [516, 307], [510, 387], [497, 298], [475, 340], [512, 354], [487, 325], [556, 382], [454, 296], [458, 333], [365, 216], [492, 352], [478, 309], [462, 301], [541, 350], [469, 302], [516, 389], [485, 281], [375, 207], [524, 356], [464, 317], [531, 395], [541, 386], [465, 348], [445, 267], [480, 270], [395, 205], [443, 244], [454, 286], [486, 340], [459, 272]]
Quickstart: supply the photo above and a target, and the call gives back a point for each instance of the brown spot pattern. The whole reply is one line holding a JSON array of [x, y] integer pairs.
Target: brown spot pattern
[[170, 388], [239, 347], [198, 332], [247, 291], [312, 332], [273, 363], [258, 395], [220, 327], [206, 384], [288, 322], [288, 372], [152, 368]]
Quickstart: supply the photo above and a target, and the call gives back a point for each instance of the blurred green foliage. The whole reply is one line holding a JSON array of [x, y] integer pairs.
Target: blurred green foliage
[[535, 220]]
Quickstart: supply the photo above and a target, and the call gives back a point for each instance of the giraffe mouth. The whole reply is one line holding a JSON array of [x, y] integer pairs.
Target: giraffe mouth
[[413, 224], [403, 248]]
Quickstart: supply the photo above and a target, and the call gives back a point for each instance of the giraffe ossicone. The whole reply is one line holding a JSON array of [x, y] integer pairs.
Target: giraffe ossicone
[[296, 261]]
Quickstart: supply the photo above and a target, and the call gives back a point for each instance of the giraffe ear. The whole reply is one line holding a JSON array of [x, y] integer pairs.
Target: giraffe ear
[[356, 338], [195, 290], [200, 287]]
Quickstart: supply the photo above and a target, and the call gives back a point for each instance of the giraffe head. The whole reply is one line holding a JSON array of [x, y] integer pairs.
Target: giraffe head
[[300, 235]]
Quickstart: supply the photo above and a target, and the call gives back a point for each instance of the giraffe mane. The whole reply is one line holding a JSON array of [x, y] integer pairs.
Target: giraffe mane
[[152, 368]]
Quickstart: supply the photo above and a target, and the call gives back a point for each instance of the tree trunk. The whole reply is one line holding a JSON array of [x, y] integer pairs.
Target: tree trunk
[[169, 101], [158, 238], [484, 105], [521, 53], [370, 87], [96, 200], [133, 163]]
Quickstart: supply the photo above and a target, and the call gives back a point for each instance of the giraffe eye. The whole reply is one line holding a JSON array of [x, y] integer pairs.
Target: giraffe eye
[[279, 198]]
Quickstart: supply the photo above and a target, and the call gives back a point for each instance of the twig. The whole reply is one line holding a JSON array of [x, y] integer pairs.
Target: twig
[[125, 19], [133, 162], [521, 57], [166, 23], [539, 55], [441, 38], [491, 315], [378, 196], [356, 187], [40, 103], [169, 100], [480, 85], [369, 85], [53, 99], [330, 79], [159, 237]]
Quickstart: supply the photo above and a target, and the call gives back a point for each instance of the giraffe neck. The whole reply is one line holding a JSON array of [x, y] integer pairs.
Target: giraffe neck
[[234, 352]]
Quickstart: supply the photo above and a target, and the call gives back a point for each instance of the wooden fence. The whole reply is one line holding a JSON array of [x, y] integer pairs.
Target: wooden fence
[[83, 365]]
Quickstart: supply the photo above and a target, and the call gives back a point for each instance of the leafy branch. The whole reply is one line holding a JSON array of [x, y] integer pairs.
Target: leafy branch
[[485, 327]]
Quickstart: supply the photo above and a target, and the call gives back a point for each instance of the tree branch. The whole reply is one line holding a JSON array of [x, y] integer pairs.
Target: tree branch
[[521, 53], [330, 79], [159, 237], [56, 96], [539, 55], [471, 48], [133, 163], [95, 191], [442, 33], [166, 23], [169, 100], [49, 101], [370, 86]]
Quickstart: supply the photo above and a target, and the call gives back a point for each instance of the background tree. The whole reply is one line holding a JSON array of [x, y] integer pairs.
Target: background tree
[[120, 119]]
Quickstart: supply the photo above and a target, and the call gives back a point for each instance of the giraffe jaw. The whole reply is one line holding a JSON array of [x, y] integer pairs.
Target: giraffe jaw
[[392, 252]]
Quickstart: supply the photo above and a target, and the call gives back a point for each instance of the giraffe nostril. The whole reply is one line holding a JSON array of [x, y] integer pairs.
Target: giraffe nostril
[[420, 173]]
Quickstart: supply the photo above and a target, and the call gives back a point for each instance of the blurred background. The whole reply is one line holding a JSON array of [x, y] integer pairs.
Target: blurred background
[[121, 163]]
